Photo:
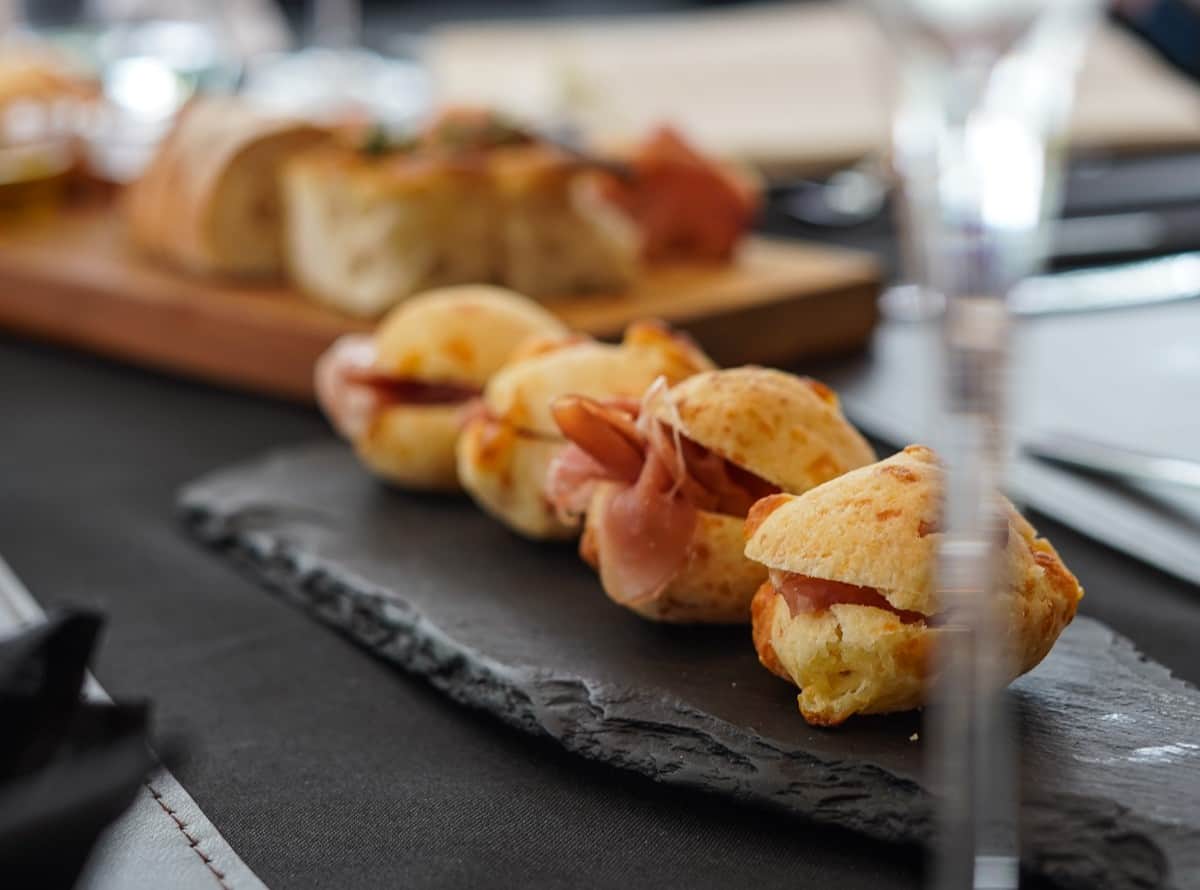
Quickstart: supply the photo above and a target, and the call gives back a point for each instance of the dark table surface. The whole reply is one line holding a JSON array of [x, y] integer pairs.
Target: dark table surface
[[326, 768]]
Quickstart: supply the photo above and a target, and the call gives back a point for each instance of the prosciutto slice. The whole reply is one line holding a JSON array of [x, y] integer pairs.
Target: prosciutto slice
[[805, 594], [352, 390], [663, 480], [349, 406]]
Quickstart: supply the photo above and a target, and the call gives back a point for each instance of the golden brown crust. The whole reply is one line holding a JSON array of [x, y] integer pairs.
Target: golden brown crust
[[876, 527], [522, 392], [505, 471], [209, 200], [461, 334], [761, 608], [714, 585], [761, 510], [397, 174], [786, 429], [366, 232], [870, 527], [413, 446]]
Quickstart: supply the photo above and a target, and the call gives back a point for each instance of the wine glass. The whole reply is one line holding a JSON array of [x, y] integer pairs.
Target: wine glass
[[336, 78], [985, 88], [152, 56]]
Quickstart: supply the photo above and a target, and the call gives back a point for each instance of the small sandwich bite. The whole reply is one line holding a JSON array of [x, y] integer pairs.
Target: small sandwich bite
[[508, 444], [849, 610], [666, 483], [400, 395]]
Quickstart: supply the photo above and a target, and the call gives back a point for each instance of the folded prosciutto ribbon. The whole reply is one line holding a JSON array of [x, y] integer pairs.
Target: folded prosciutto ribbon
[[664, 481]]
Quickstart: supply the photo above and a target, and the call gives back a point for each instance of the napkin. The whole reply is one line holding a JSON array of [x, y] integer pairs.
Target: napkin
[[68, 767]]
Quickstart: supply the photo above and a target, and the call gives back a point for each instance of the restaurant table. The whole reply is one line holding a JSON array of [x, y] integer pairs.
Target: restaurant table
[[325, 767]]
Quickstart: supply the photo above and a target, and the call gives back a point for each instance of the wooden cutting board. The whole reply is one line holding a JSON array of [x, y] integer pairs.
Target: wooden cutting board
[[75, 279]]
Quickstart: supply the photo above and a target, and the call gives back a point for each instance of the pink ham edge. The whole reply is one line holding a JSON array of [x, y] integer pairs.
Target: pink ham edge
[[644, 534], [350, 405], [807, 595]]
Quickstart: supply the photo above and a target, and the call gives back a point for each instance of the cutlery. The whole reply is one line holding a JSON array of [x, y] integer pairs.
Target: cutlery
[[1077, 452]]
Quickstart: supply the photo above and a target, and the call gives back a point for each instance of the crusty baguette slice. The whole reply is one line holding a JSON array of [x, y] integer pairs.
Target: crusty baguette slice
[[367, 231], [559, 235], [209, 201]]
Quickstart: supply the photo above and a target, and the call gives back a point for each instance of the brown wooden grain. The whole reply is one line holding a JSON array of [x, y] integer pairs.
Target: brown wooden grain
[[74, 279]]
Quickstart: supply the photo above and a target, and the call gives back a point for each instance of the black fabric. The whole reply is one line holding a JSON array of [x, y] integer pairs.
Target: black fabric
[[326, 768], [68, 768]]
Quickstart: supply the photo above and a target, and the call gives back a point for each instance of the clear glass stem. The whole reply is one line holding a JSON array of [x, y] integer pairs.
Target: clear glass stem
[[972, 744], [982, 212]]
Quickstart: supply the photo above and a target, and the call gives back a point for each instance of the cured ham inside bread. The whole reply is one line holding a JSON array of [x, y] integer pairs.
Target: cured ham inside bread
[[665, 480], [353, 389], [807, 595]]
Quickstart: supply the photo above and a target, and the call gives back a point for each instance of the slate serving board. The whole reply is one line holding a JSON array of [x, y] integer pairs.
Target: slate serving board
[[1111, 767]]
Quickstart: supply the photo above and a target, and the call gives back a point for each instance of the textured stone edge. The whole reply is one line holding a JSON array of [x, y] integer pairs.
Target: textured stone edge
[[699, 752]]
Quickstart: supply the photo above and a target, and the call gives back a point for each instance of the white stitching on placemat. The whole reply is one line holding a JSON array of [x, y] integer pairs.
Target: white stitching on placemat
[[192, 842]]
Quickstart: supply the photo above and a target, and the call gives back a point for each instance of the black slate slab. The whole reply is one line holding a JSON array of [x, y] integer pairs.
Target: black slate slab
[[1111, 764]]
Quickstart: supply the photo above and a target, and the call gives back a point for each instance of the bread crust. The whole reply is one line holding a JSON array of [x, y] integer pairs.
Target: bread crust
[[209, 200], [523, 392], [458, 336], [461, 334], [503, 457], [413, 446], [786, 429], [877, 527], [504, 471], [366, 232], [846, 659]]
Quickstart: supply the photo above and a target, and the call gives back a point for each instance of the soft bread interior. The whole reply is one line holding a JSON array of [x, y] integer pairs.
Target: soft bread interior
[[848, 659], [361, 249], [245, 226], [564, 241], [209, 200]]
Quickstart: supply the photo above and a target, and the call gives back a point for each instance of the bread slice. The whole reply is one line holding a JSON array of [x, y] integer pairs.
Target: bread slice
[[559, 236], [209, 201], [876, 528], [367, 231]]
